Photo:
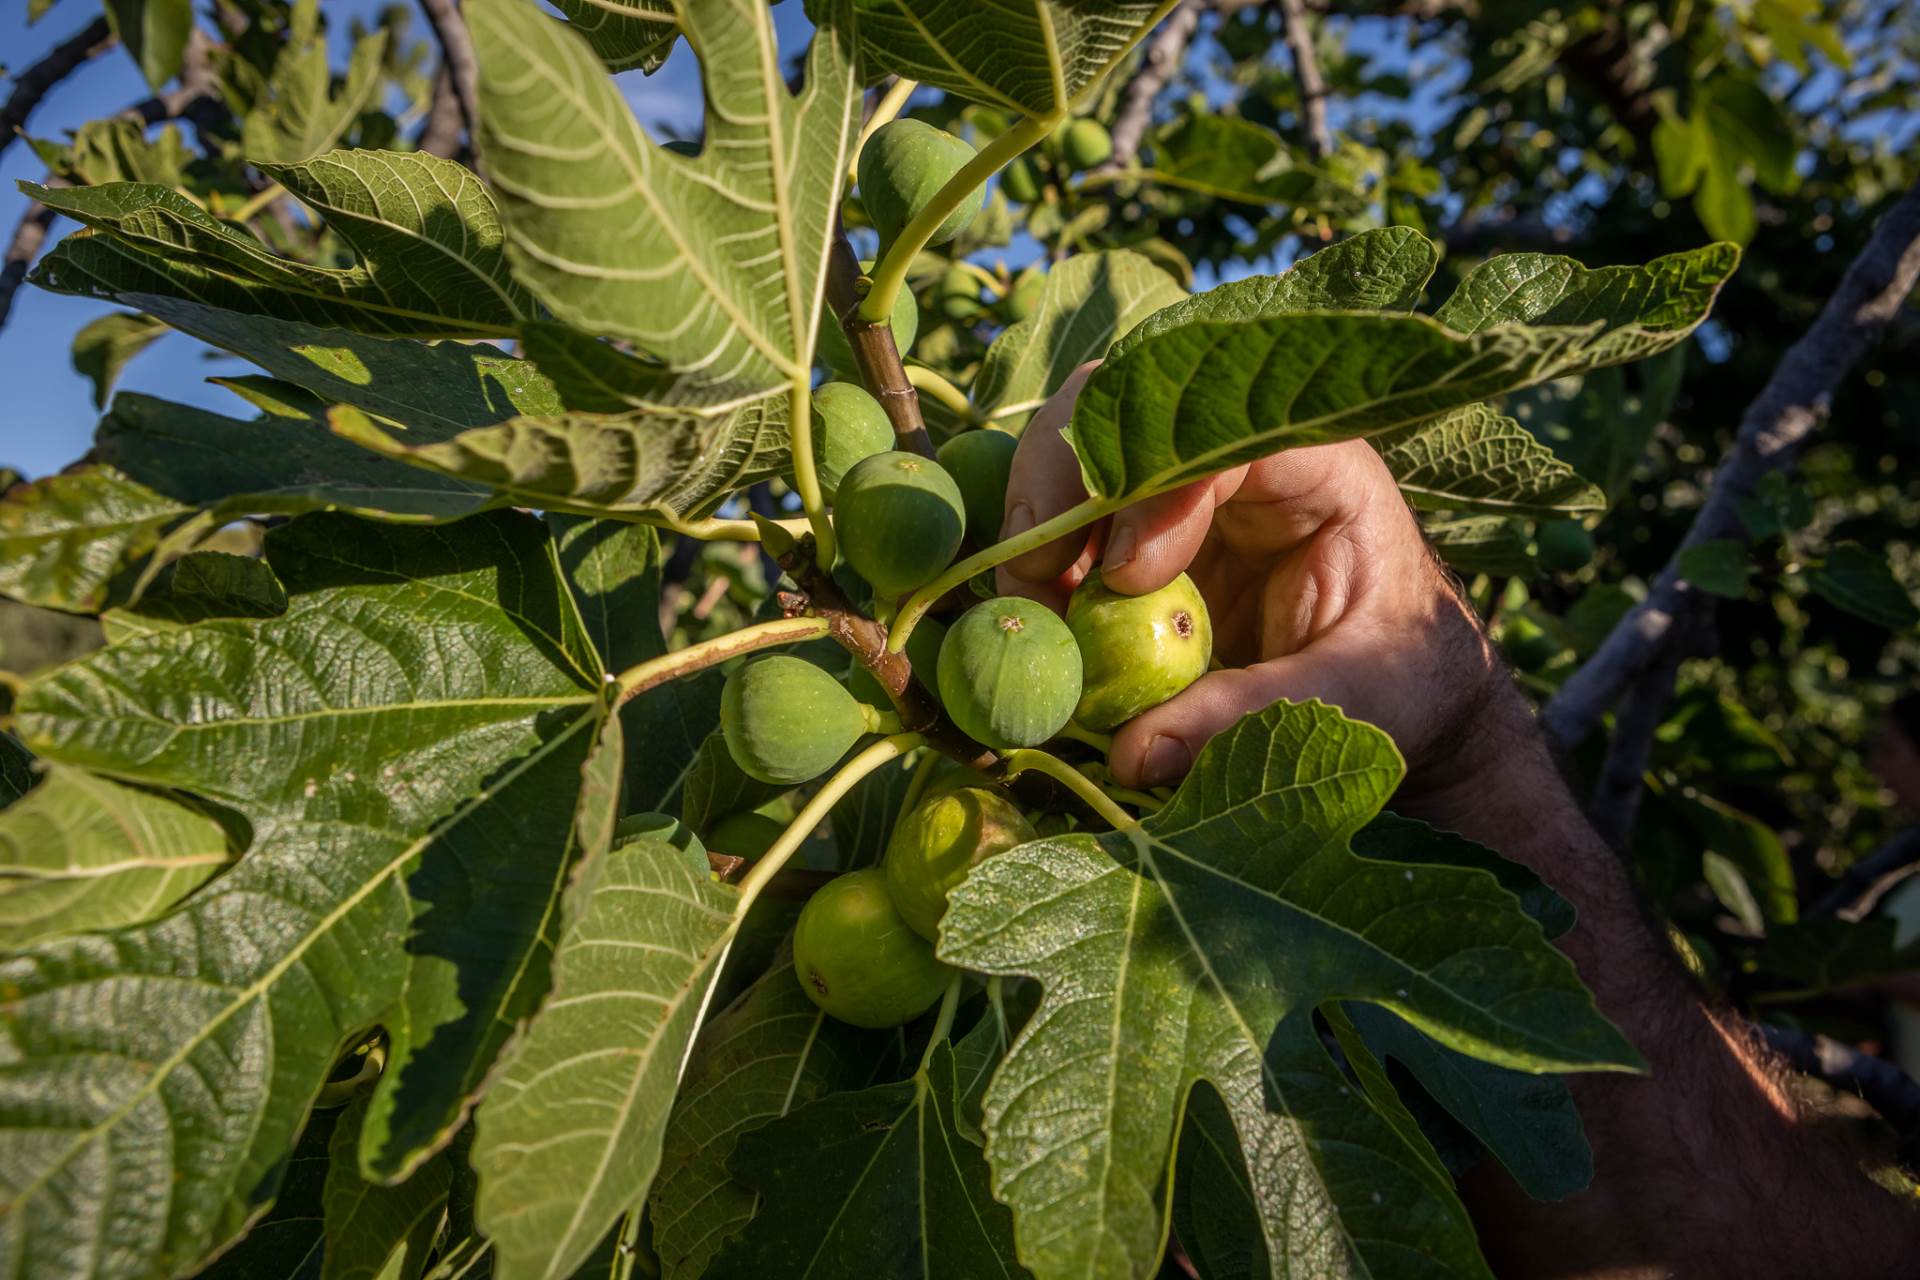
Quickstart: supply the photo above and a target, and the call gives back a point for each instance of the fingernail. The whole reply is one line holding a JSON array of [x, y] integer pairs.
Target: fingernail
[[1120, 548], [1167, 760], [1018, 521]]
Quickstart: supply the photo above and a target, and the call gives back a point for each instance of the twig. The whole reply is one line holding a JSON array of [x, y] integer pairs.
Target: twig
[[1772, 432], [33, 84], [28, 235], [820, 597], [655, 672], [1616, 796], [1313, 85], [1877, 1082], [445, 127], [874, 351], [456, 56], [1867, 880], [1163, 57]]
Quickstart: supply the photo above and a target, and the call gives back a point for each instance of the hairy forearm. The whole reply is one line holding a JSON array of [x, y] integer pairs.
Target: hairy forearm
[[1705, 1166]]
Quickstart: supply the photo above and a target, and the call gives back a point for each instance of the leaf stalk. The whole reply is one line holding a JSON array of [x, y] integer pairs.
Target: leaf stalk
[[1028, 759], [654, 672]]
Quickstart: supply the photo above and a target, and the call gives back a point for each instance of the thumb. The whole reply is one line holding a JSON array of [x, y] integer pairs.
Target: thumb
[[1160, 745]]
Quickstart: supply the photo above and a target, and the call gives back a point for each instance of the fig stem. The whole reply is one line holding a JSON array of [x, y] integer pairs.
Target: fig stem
[[1075, 517], [942, 1024], [806, 476], [1029, 759], [715, 530], [929, 382], [1101, 742], [886, 109], [917, 785], [654, 672], [815, 812], [890, 273], [875, 354]]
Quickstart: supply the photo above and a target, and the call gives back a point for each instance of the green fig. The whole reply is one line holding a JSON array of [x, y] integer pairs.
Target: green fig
[[745, 835], [1084, 143], [1136, 651], [901, 168], [1564, 545], [933, 848], [831, 348], [900, 518], [1020, 181], [848, 425], [1009, 673], [859, 960], [786, 721], [981, 462]]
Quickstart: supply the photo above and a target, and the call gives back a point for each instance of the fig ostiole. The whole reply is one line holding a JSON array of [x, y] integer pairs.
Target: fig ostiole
[[1136, 651], [786, 721], [857, 958], [900, 518], [933, 848], [1009, 673]]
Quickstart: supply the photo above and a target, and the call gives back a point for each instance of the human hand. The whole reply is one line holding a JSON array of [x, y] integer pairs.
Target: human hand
[[1320, 586]]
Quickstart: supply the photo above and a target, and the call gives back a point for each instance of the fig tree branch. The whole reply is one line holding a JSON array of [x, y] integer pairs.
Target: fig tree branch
[[1869, 878], [1163, 57], [1772, 433], [28, 235], [655, 672], [1616, 796], [821, 600], [1883, 1086], [456, 57], [1312, 85], [881, 370], [34, 83]]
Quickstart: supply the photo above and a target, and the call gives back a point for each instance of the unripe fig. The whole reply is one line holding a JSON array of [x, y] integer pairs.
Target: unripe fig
[[900, 518], [902, 166], [848, 425], [1024, 298], [1009, 673], [932, 849], [858, 960], [981, 462], [923, 651], [1136, 651], [959, 294], [1564, 545], [656, 826], [745, 835], [1019, 181], [786, 721], [832, 349], [1084, 143]]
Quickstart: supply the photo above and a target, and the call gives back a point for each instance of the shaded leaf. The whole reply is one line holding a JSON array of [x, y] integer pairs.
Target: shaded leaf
[[289, 1243], [882, 1182], [1719, 567], [713, 263], [1600, 423], [625, 33], [103, 347], [376, 1232], [772, 1051], [63, 539], [1085, 304], [1495, 545], [1861, 582], [1474, 459], [1228, 158], [298, 112], [714, 786], [17, 775], [1031, 58], [1197, 947], [570, 1133], [419, 714], [196, 587], [425, 232], [79, 852]]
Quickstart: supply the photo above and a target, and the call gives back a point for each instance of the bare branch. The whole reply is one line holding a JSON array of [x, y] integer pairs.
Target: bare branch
[[1868, 880], [874, 351], [456, 56], [1773, 431], [445, 129], [1313, 85], [1163, 57], [33, 84], [28, 235]]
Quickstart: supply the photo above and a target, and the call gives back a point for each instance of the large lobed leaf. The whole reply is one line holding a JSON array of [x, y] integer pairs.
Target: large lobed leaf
[[713, 264], [406, 743], [1243, 371], [1474, 459], [425, 231], [1198, 947], [1034, 57], [1232, 159]]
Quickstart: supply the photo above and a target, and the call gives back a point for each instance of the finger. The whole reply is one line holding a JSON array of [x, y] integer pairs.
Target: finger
[[1286, 499], [1045, 482], [1160, 745], [1152, 542]]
